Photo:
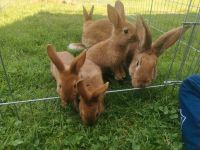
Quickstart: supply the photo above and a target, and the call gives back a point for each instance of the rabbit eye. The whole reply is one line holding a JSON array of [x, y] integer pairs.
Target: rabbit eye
[[59, 86], [125, 31]]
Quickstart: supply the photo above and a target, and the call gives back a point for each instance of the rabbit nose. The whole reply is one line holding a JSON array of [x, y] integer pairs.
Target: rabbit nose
[[133, 38]]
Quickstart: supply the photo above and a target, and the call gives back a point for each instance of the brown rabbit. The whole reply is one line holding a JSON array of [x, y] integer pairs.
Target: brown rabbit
[[143, 65], [95, 31], [65, 69], [91, 89], [111, 53]]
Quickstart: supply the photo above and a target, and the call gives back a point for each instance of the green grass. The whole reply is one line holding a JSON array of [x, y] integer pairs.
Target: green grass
[[144, 119]]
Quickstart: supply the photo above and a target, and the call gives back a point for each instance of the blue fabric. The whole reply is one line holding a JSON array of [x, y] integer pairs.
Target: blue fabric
[[189, 96]]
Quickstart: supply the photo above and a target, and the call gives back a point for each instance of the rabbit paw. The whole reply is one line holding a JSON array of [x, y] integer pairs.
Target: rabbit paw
[[123, 73], [118, 77], [63, 104]]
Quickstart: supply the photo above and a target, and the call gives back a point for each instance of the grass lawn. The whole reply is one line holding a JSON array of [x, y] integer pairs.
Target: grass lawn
[[143, 119]]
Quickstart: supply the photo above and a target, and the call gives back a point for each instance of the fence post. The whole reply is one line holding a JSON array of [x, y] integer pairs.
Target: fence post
[[8, 83]]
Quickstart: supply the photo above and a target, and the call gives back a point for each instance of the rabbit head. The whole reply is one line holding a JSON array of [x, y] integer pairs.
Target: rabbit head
[[143, 65], [91, 101], [123, 31], [68, 75]]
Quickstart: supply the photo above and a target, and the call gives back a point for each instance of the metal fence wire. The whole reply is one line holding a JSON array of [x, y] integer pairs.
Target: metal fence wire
[[161, 15]]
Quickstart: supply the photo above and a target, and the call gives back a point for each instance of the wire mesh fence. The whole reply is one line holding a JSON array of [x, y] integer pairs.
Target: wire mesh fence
[[161, 16]]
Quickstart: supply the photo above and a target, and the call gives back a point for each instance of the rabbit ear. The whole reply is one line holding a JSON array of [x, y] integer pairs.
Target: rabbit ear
[[100, 90], [91, 11], [168, 39], [86, 15], [113, 16], [77, 63], [54, 58], [144, 34], [120, 9], [82, 90]]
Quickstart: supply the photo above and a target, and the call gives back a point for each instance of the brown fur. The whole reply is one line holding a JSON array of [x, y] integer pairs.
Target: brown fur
[[143, 65], [95, 31], [111, 53], [65, 69], [91, 89]]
